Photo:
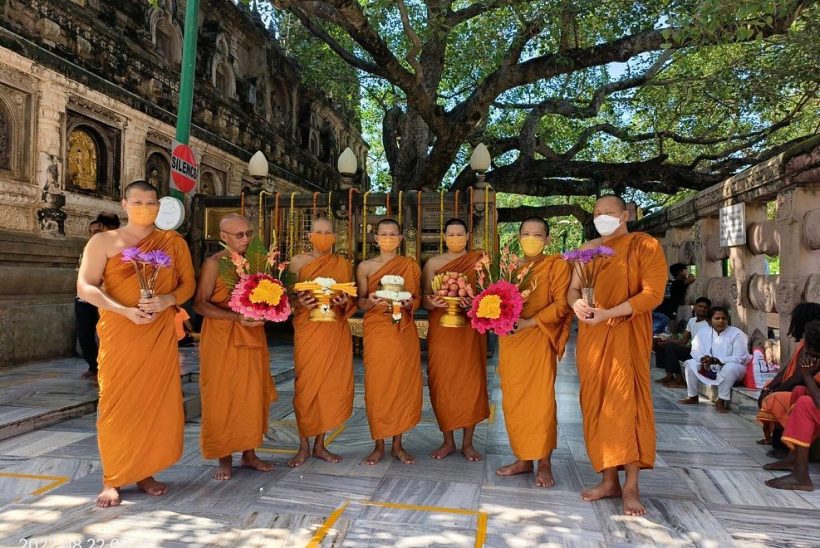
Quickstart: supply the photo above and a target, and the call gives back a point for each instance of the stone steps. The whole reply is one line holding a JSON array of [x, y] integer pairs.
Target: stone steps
[[42, 394]]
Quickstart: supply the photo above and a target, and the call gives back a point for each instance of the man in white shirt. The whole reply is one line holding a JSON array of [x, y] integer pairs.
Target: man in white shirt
[[674, 351]]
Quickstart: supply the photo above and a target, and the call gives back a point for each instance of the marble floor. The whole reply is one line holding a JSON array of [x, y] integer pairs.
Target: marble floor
[[706, 490]]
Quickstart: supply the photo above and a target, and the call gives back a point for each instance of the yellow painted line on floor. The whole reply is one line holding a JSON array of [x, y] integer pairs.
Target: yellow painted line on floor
[[481, 530], [289, 451], [56, 481], [491, 419], [321, 533], [419, 508]]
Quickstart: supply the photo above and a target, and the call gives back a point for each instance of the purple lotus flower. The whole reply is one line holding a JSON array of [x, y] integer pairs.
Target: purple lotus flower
[[605, 251], [155, 258], [131, 255]]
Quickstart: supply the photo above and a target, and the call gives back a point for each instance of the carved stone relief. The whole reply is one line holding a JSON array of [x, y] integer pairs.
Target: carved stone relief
[[811, 228], [789, 294], [722, 291], [15, 131], [763, 238], [712, 248], [812, 293], [83, 158], [762, 291]]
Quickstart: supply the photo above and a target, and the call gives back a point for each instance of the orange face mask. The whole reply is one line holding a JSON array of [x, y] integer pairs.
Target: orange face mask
[[388, 243], [142, 215], [456, 243], [322, 242]]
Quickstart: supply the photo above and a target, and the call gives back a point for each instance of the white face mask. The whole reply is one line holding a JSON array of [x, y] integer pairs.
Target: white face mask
[[606, 224]]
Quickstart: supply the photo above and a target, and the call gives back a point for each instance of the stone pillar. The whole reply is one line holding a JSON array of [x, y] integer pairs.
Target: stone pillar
[[707, 256], [798, 218], [134, 161], [745, 264], [50, 176]]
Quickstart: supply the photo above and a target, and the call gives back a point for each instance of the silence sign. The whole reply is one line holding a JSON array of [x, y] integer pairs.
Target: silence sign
[[184, 168]]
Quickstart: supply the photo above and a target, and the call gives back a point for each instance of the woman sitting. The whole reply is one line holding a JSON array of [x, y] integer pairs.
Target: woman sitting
[[720, 353], [775, 397]]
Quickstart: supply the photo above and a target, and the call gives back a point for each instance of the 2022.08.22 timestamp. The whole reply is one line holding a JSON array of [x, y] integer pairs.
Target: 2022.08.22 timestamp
[[74, 543]]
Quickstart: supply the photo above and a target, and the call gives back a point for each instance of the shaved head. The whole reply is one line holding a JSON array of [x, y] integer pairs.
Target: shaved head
[[615, 199], [322, 224], [144, 186], [231, 221]]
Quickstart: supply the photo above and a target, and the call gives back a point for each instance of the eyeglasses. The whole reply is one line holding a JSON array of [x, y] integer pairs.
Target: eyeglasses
[[241, 235]]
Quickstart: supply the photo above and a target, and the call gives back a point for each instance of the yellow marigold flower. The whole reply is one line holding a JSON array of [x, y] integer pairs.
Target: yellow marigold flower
[[490, 307], [267, 292]]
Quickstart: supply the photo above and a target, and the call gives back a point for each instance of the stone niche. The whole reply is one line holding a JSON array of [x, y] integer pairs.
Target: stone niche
[[93, 156]]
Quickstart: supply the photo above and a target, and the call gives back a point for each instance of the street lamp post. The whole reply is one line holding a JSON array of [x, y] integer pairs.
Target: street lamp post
[[347, 166], [480, 163], [253, 195]]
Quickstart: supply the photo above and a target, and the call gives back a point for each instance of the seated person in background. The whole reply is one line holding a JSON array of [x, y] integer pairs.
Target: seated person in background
[[182, 324], [720, 353], [675, 350], [775, 398], [803, 423], [667, 312]]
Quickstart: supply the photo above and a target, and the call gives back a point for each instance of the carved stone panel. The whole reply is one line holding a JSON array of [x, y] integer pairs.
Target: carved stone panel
[[15, 131], [762, 290], [92, 157], [811, 228], [763, 238], [789, 294]]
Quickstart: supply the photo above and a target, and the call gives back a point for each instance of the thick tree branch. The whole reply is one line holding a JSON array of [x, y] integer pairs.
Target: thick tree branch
[[474, 10], [415, 41], [517, 214]]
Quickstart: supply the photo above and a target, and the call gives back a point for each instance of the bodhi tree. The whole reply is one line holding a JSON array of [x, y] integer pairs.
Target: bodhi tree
[[572, 97]]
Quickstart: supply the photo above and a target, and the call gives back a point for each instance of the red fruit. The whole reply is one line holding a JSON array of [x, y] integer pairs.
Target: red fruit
[[452, 293], [462, 292], [442, 292], [453, 287]]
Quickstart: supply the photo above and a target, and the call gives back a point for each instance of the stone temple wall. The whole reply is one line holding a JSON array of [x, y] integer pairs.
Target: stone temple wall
[[757, 300], [88, 91]]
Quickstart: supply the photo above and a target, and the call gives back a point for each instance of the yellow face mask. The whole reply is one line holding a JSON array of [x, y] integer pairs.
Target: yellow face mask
[[388, 243], [456, 243], [322, 242], [532, 246], [142, 215]]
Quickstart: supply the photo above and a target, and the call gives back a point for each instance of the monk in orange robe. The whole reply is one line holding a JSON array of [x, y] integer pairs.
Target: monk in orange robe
[[234, 365], [392, 356], [322, 351], [140, 416], [614, 343], [528, 358], [456, 356]]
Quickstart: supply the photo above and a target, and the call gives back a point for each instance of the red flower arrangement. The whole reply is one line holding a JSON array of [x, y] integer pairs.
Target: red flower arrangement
[[498, 306]]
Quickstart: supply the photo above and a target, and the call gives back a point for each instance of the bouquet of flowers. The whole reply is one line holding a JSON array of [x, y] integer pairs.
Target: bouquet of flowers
[[452, 287], [323, 290], [147, 265], [498, 306], [393, 292], [587, 264], [256, 293]]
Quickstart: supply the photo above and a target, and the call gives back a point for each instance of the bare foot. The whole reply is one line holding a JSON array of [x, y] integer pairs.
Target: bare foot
[[403, 456], [443, 451], [470, 453], [375, 457], [299, 458], [250, 460], [152, 487], [664, 380], [632, 503], [322, 453], [786, 464], [518, 467], [223, 471], [543, 476], [676, 384], [603, 490], [689, 401], [790, 482], [110, 496]]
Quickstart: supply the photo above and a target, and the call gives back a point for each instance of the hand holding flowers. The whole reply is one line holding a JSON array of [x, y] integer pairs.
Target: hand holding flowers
[[586, 264], [498, 306], [147, 265]]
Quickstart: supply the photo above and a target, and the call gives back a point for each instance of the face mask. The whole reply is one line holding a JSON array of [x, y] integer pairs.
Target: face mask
[[322, 242], [532, 246], [388, 243], [142, 215], [456, 243], [606, 224]]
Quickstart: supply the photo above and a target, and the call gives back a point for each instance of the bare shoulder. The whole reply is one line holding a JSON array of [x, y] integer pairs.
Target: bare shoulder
[[368, 266], [298, 261], [106, 242], [434, 263]]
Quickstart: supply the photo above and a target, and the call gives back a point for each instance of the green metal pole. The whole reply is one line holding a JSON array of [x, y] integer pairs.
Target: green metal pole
[[186, 78]]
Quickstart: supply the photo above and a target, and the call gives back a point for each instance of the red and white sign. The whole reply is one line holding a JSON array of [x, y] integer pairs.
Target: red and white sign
[[184, 168]]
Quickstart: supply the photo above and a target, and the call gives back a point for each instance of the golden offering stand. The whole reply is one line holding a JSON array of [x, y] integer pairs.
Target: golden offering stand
[[454, 316], [323, 311]]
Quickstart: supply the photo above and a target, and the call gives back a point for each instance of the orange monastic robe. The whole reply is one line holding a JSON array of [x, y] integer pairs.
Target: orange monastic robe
[[140, 417], [528, 362], [323, 356], [457, 363], [613, 356], [234, 383], [392, 358]]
